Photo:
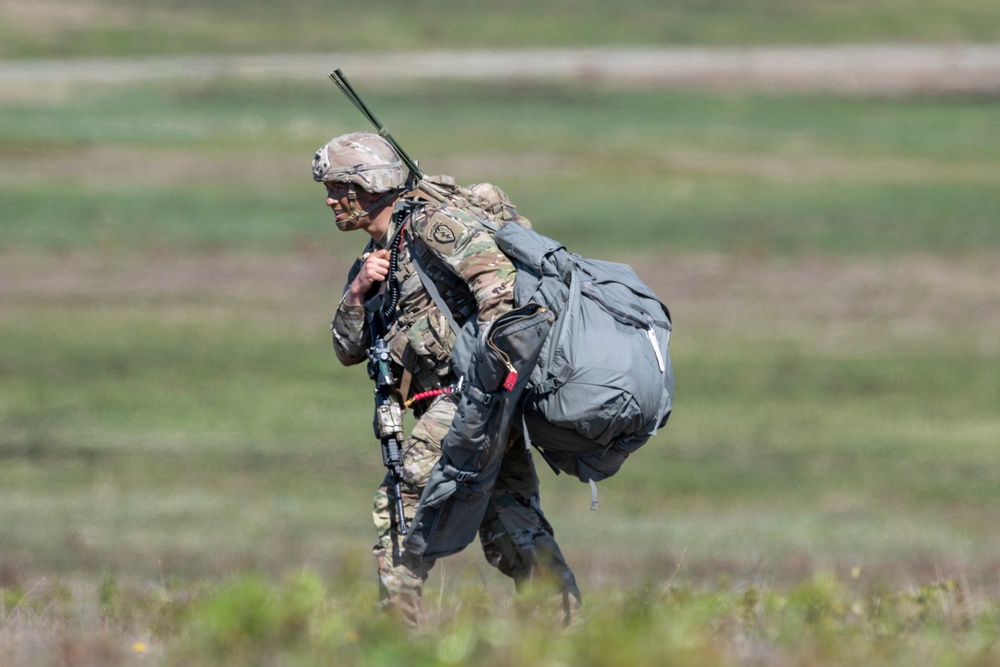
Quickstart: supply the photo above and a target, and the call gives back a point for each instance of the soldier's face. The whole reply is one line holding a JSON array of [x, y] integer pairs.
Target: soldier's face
[[336, 199]]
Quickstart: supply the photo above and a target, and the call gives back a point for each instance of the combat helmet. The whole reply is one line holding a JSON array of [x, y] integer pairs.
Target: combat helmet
[[364, 159]]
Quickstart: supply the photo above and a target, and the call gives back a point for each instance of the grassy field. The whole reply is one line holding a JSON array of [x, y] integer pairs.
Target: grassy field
[[172, 415], [62, 28], [186, 472]]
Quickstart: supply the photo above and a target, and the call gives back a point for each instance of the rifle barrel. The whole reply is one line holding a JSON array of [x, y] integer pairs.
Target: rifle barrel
[[347, 89]]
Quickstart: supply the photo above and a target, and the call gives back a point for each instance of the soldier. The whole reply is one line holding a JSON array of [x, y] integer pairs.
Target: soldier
[[368, 188]]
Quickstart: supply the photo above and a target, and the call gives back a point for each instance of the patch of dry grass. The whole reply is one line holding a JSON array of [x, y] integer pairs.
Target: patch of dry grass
[[700, 288]]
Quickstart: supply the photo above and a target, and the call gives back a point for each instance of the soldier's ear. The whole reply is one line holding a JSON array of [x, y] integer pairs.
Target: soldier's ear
[[365, 198]]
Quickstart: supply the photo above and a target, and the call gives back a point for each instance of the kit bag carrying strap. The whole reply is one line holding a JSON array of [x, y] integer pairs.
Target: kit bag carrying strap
[[435, 295]]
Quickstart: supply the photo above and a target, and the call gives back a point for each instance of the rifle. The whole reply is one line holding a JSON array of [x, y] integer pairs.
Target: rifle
[[388, 421]]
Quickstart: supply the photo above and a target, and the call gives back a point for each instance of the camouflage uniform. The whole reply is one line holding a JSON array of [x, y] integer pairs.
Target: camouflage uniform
[[475, 279]]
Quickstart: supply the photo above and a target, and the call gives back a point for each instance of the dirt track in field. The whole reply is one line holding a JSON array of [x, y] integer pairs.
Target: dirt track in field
[[870, 69]]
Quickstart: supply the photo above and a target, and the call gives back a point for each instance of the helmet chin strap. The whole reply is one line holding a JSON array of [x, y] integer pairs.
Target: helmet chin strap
[[351, 222]]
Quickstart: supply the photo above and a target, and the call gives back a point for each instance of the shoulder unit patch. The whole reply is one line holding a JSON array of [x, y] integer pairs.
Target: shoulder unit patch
[[443, 234]]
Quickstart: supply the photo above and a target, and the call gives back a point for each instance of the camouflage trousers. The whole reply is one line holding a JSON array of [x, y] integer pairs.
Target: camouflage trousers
[[515, 536]]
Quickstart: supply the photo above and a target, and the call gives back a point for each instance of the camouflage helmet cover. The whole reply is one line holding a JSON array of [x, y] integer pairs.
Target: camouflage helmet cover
[[363, 158]]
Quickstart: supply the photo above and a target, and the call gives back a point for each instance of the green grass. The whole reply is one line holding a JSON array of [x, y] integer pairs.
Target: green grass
[[116, 27], [304, 620], [215, 165], [176, 435]]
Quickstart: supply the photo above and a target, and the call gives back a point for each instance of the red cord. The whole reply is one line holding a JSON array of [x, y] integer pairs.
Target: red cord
[[429, 394]]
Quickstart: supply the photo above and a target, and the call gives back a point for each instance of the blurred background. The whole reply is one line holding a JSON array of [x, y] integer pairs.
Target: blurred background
[[812, 188]]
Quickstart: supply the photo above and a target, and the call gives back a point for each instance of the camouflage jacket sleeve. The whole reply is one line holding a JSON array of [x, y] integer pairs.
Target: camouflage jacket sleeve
[[351, 338], [464, 247]]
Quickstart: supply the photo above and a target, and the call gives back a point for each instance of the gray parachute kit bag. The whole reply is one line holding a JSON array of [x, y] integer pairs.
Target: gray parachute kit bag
[[582, 360], [603, 383]]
